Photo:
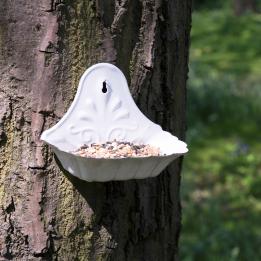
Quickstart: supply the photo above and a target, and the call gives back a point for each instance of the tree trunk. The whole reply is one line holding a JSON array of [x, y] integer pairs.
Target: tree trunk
[[242, 6], [45, 46]]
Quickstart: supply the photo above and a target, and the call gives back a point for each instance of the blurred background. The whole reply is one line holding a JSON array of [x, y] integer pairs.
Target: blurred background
[[221, 182]]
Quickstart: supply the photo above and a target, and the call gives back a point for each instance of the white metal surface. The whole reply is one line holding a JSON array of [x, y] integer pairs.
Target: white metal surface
[[103, 110]]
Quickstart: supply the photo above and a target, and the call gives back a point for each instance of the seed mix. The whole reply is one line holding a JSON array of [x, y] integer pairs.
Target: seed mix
[[117, 149]]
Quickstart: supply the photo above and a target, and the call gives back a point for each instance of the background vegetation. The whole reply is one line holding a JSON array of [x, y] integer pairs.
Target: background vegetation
[[221, 186]]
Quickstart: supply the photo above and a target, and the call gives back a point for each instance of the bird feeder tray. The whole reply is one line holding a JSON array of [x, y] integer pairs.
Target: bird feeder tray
[[103, 110]]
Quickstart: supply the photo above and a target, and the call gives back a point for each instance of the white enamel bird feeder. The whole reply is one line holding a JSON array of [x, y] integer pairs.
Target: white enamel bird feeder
[[103, 110]]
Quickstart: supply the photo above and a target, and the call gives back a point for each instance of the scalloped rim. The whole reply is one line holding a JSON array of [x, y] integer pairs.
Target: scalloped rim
[[148, 157]]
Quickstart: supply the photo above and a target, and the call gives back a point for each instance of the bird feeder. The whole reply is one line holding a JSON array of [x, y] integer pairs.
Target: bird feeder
[[103, 110]]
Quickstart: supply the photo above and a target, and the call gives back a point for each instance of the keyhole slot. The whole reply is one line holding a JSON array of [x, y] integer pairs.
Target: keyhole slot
[[104, 87]]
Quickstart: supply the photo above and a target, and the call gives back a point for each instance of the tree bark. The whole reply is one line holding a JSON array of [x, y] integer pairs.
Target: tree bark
[[45, 46]]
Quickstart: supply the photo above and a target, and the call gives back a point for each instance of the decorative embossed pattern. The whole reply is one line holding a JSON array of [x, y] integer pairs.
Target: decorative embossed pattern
[[110, 111]]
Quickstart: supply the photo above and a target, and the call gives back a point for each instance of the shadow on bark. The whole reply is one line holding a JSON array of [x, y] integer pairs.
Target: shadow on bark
[[131, 211], [110, 201]]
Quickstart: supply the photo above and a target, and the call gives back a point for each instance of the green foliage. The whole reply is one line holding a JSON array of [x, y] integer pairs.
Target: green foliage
[[225, 43], [208, 5], [222, 173]]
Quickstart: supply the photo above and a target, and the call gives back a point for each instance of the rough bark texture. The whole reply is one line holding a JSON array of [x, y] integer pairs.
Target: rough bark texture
[[45, 46]]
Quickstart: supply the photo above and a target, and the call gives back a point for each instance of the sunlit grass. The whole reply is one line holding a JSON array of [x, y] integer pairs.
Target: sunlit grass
[[221, 183], [221, 201]]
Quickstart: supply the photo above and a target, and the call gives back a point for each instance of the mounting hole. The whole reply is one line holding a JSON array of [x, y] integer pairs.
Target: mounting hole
[[104, 87]]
